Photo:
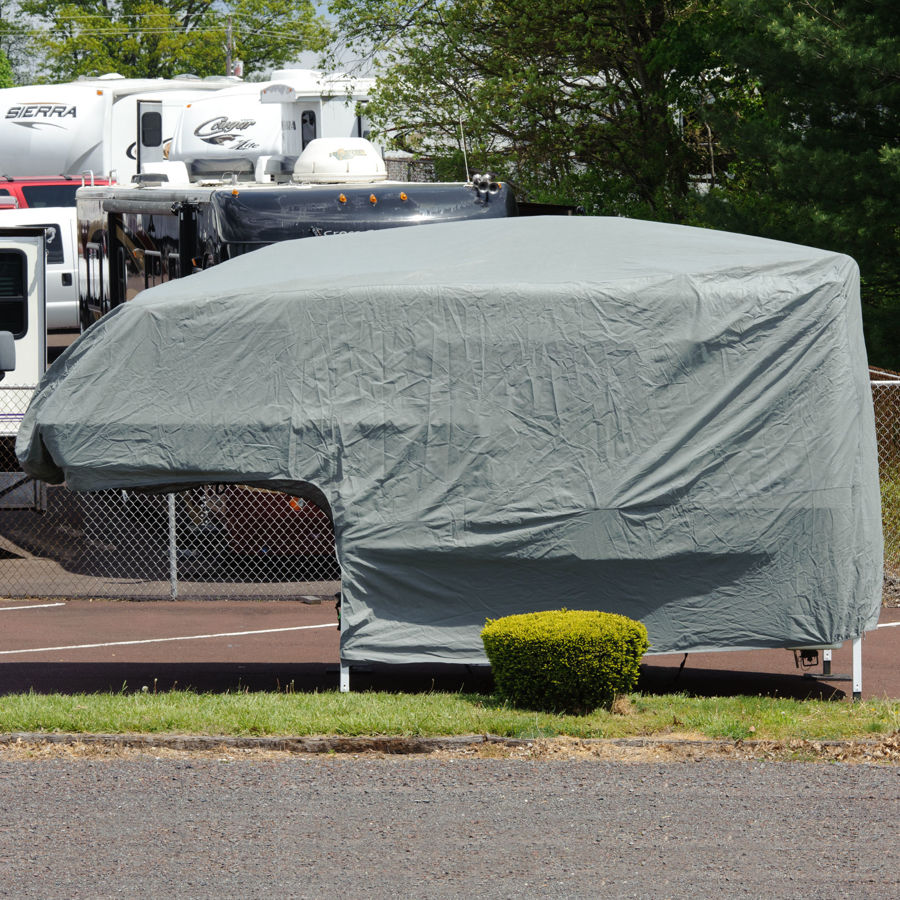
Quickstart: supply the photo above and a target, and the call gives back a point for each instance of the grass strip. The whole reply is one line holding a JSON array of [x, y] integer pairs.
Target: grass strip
[[439, 714]]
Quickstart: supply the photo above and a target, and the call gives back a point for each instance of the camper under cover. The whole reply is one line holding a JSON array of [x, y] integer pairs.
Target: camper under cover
[[670, 423]]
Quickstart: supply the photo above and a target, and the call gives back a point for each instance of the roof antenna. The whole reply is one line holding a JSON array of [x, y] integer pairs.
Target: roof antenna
[[462, 138]]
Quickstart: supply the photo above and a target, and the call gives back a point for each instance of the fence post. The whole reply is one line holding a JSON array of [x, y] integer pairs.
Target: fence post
[[173, 549]]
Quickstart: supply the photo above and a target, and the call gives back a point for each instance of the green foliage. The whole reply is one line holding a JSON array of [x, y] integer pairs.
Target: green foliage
[[809, 144], [163, 38], [14, 43], [6, 73], [566, 100], [759, 116], [564, 660]]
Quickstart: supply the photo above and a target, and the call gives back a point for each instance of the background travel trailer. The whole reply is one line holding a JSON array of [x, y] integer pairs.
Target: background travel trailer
[[256, 131], [92, 125], [121, 125]]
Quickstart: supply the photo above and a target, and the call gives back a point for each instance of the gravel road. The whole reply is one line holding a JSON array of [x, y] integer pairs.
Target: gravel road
[[439, 828]]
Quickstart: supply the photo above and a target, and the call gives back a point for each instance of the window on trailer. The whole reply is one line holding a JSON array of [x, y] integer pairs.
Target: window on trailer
[[13, 293]]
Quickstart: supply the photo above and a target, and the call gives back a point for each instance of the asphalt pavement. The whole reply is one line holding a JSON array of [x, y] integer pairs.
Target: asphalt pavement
[[445, 828]]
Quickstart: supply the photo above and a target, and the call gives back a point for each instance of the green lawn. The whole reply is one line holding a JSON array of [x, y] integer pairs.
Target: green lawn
[[332, 713]]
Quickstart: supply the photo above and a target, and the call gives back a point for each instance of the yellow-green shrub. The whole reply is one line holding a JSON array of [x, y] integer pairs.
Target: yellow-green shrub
[[564, 660]]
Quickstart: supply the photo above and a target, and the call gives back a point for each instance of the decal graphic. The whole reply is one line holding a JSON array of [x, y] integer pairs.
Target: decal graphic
[[131, 151], [25, 114], [224, 132]]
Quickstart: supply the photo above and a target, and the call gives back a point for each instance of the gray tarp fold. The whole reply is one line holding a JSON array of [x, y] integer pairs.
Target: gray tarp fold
[[670, 423]]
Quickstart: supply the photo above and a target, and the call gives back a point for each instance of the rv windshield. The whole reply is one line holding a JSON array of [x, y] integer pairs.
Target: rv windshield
[[40, 195]]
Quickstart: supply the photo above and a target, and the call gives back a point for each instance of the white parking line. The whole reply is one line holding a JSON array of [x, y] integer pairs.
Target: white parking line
[[190, 637], [36, 606]]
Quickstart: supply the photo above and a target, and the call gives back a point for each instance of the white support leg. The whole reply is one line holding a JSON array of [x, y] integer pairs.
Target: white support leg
[[857, 668], [826, 662], [344, 685]]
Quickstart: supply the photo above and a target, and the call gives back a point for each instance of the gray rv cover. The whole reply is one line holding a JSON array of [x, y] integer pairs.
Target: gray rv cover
[[521, 414]]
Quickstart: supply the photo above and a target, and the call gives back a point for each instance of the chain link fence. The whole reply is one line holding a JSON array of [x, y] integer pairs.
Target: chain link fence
[[223, 541], [231, 541], [886, 399]]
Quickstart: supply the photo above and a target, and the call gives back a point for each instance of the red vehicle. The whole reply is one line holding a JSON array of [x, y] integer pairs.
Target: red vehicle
[[29, 191]]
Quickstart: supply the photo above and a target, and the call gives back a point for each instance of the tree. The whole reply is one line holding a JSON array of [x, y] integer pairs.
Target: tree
[[6, 72], [566, 99], [813, 140], [14, 40], [771, 117], [163, 38]]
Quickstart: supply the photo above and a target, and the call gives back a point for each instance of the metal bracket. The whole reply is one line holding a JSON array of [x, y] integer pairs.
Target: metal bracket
[[827, 675]]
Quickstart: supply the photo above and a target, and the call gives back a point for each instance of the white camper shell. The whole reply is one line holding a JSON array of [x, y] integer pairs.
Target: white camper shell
[[93, 125]]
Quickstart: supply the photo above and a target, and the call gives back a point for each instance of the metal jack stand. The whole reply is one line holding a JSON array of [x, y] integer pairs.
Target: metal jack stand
[[809, 656], [344, 678]]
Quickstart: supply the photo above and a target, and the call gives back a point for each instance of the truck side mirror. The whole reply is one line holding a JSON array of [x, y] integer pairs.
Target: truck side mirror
[[7, 353]]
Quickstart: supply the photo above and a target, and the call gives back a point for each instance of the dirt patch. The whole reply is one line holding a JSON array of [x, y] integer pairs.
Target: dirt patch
[[688, 749], [674, 748]]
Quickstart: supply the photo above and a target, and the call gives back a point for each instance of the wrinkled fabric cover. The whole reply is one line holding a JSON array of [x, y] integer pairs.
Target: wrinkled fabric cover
[[670, 423]]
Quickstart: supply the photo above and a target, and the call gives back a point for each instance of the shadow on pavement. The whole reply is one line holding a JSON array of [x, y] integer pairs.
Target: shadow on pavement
[[75, 678], [729, 683]]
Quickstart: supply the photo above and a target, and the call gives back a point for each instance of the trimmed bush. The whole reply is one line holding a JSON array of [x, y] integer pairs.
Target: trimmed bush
[[564, 660]]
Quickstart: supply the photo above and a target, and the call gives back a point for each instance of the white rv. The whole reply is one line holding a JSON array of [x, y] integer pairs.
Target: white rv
[[256, 131], [99, 125]]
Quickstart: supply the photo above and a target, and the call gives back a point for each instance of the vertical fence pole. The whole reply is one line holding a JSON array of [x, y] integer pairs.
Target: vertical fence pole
[[173, 549]]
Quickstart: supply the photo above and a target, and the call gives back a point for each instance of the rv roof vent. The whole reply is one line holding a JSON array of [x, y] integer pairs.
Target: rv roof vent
[[339, 161]]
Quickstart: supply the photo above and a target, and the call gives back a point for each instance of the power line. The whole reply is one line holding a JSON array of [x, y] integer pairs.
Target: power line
[[117, 18], [137, 32]]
